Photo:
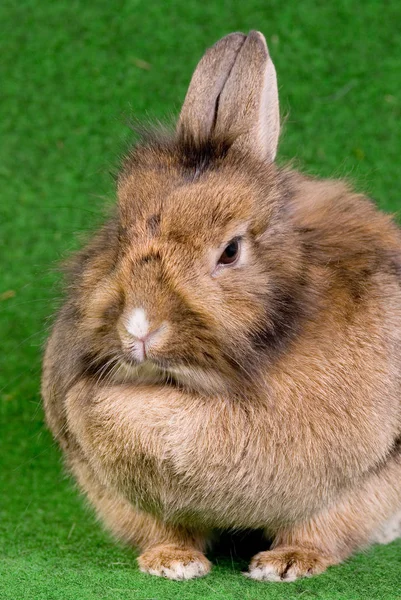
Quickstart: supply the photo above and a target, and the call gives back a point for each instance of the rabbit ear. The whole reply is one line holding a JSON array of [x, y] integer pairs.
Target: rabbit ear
[[233, 94], [248, 104], [198, 113]]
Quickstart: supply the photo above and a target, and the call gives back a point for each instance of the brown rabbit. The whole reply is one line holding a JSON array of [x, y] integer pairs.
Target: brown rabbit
[[229, 352]]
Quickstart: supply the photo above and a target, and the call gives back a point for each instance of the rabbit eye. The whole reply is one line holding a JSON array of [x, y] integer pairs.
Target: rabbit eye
[[231, 253]]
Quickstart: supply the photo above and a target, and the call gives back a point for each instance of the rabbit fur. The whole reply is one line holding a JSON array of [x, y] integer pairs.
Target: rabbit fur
[[190, 394]]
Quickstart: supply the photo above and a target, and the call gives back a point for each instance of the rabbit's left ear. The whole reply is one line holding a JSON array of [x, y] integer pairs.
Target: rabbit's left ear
[[248, 107], [233, 95]]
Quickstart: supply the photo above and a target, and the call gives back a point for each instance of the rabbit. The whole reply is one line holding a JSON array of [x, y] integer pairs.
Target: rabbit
[[228, 355]]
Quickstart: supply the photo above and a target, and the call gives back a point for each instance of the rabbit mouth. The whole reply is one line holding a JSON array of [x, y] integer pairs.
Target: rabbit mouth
[[155, 372], [147, 372]]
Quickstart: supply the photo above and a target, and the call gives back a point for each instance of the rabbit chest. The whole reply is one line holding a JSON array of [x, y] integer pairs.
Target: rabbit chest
[[193, 459]]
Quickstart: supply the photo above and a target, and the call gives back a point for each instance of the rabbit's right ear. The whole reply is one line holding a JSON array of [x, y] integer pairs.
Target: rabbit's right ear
[[233, 95]]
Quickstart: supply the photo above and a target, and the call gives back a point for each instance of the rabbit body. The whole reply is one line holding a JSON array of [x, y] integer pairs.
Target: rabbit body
[[192, 392]]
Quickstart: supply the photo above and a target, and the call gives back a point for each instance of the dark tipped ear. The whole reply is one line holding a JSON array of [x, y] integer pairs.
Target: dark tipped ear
[[233, 94], [198, 113]]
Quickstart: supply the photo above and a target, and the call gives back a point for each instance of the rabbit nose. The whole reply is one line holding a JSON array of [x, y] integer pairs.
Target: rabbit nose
[[138, 324], [142, 345], [139, 329], [147, 337], [143, 338]]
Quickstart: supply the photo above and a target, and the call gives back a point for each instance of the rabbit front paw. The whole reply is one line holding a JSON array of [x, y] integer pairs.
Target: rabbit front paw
[[286, 564], [174, 562]]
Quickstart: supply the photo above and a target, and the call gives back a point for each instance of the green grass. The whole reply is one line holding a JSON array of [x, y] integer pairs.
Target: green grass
[[69, 70]]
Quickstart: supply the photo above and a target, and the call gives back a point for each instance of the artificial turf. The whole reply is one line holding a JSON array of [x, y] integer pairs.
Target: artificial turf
[[69, 71]]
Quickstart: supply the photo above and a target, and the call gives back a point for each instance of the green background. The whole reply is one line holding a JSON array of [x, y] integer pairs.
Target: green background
[[69, 71]]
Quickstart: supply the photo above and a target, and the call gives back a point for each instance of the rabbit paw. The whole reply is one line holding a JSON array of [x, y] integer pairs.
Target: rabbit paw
[[286, 564], [174, 562]]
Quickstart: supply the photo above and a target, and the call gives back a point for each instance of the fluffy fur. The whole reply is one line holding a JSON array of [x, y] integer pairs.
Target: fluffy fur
[[269, 396]]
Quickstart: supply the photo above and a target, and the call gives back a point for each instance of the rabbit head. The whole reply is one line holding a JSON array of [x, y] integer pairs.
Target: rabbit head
[[199, 278]]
